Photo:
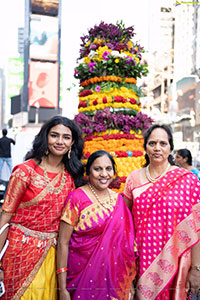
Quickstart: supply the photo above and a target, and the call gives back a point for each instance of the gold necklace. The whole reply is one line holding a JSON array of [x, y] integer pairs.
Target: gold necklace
[[109, 203], [153, 180], [50, 187]]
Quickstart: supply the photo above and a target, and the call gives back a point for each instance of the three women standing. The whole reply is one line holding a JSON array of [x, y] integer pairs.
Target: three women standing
[[32, 207]]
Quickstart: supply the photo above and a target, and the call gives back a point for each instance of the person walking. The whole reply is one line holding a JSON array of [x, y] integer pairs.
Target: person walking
[[5, 151], [32, 207]]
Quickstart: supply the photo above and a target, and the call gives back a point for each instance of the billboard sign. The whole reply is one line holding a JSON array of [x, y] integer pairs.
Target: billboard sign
[[43, 38], [15, 76], [45, 7], [43, 84]]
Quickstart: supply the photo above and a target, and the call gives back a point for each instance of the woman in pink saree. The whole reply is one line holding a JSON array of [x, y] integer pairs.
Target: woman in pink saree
[[96, 238], [165, 203]]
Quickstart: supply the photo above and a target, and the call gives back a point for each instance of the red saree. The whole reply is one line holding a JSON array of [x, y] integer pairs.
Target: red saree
[[34, 225], [101, 262], [167, 219]]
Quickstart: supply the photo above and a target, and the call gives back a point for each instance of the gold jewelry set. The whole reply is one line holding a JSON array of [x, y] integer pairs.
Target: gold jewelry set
[[49, 185], [108, 205]]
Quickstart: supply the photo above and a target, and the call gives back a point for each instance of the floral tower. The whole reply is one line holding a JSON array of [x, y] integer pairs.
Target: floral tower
[[109, 99]]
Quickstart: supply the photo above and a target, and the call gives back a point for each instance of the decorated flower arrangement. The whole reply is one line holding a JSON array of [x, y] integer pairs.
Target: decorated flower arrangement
[[109, 99]]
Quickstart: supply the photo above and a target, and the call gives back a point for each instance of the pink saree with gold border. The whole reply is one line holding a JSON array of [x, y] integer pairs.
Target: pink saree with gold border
[[101, 262], [167, 219]]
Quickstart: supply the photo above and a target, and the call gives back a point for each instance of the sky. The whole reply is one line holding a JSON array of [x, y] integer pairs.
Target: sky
[[77, 17]]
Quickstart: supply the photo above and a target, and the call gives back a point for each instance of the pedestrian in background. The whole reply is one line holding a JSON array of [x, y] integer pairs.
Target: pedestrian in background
[[184, 160], [32, 207], [165, 204], [5, 151]]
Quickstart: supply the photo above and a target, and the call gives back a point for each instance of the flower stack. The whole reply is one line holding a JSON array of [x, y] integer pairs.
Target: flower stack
[[109, 99]]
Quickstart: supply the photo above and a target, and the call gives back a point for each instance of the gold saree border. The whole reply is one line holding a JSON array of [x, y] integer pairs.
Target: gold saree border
[[93, 212], [33, 273], [37, 234], [41, 195], [88, 214]]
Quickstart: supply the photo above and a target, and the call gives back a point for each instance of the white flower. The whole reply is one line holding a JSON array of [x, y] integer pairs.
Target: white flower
[[115, 53], [123, 55], [92, 54], [81, 61]]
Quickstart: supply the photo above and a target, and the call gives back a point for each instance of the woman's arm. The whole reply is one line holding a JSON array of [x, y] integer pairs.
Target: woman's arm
[[65, 233], [193, 279], [128, 202], [4, 218]]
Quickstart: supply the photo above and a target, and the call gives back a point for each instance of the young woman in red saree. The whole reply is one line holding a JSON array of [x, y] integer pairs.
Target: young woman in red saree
[[165, 204], [34, 200], [95, 257]]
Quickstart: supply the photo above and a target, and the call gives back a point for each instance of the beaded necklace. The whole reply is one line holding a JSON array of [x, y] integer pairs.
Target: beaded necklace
[[153, 180], [109, 203]]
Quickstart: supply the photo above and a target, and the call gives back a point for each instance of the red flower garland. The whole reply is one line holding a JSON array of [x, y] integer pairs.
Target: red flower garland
[[116, 136]]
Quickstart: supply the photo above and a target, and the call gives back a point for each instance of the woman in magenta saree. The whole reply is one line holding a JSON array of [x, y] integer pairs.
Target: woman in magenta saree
[[166, 214], [100, 254]]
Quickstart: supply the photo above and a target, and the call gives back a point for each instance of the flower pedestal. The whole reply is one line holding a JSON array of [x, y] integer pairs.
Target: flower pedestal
[[109, 100]]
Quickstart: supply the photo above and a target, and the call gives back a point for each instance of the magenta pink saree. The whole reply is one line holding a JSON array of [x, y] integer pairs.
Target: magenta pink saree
[[167, 219], [101, 263]]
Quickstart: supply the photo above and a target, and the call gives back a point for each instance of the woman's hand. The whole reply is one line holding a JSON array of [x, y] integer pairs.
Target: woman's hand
[[132, 291], [64, 295], [1, 275], [193, 281]]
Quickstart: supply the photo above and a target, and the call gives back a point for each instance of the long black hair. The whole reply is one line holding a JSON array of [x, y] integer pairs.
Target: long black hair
[[40, 147], [186, 153], [147, 134], [96, 155]]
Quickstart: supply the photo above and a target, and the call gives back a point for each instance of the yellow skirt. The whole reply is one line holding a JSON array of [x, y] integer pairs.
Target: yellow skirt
[[44, 285]]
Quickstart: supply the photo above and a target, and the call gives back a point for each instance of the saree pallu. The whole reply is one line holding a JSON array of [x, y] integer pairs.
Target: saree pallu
[[167, 219], [34, 225], [101, 263]]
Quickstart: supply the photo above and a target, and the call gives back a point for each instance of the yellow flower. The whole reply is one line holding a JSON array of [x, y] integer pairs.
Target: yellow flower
[[101, 51], [97, 41], [87, 60], [128, 53], [116, 60], [136, 58], [88, 44], [130, 45]]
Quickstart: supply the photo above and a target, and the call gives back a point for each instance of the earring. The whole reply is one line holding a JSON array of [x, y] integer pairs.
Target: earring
[[69, 153], [47, 152]]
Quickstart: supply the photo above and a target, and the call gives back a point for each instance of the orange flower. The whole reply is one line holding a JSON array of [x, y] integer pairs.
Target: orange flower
[[112, 144], [107, 78]]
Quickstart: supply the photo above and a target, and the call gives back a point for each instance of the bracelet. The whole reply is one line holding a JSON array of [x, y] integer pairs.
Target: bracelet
[[62, 270], [195, 267]]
